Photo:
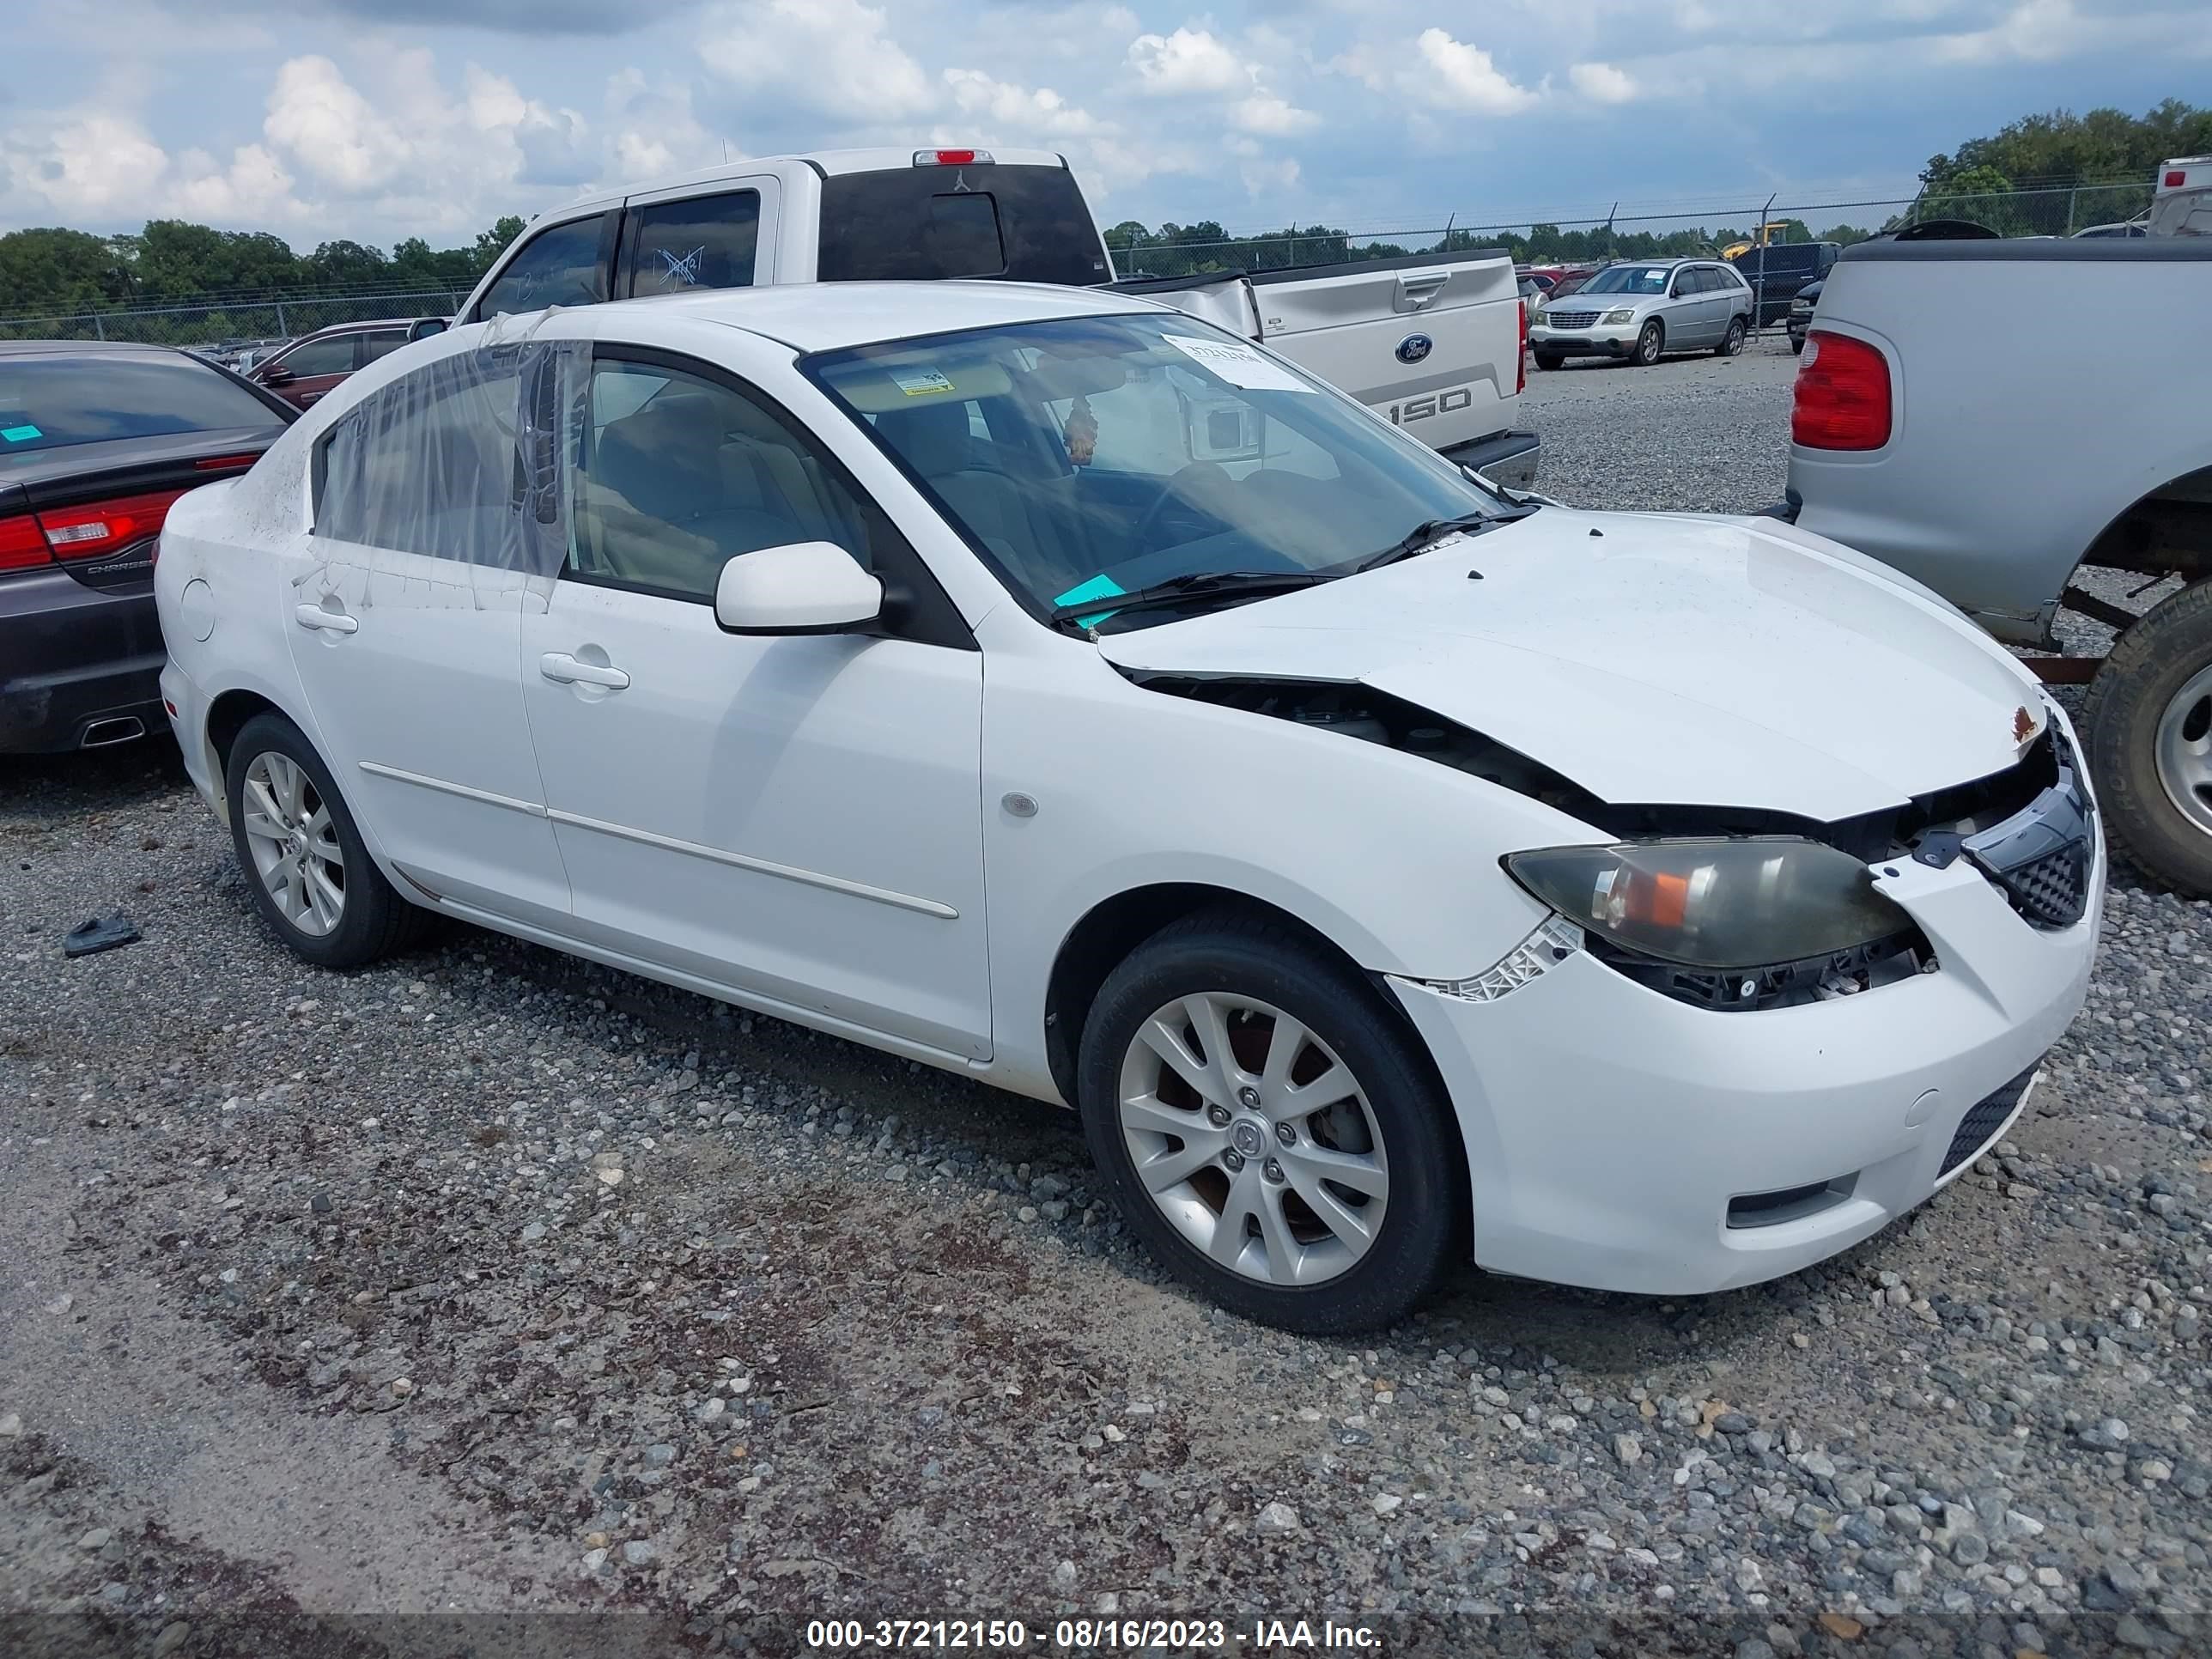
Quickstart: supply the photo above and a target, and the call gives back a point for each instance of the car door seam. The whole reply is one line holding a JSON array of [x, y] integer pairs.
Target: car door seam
[[763, 867]]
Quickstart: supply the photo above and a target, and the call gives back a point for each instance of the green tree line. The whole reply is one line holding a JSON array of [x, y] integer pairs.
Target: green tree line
[[49, 271]]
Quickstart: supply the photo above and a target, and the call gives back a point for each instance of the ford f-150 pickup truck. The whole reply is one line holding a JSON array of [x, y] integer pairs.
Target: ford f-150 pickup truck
[[1432, 343], [1994, 477]]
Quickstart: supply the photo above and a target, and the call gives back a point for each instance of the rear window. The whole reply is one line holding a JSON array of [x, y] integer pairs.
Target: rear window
[[51, 403], [1027, 224]]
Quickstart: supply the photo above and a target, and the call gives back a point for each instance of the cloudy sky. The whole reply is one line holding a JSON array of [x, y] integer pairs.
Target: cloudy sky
[[376, 120]]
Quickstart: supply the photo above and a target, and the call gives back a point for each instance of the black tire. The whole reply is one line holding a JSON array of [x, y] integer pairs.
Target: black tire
[[1732, 342], [1650, 344], [2149, 667], [1550, 361], [1796, 345], [1242, 954], [376, 922]]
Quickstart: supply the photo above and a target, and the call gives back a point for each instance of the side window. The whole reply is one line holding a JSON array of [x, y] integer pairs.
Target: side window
[[1684, 282], [381, 343], [556, 267], [703, 242], [680, 474], [330, 357], [427, 464]]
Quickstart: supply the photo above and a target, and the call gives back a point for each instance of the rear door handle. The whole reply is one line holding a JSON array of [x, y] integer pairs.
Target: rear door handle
[[565, 669], [335, 622]]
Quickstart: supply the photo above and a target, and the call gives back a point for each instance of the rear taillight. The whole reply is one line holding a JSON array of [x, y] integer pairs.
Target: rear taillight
[[2176, 179], [1842, 394], [950, 158], [102, 527], [22, 545], [225, 463], [1520, 365]]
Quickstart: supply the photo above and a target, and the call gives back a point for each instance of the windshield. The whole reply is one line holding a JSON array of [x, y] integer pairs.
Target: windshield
[[1094, 456], [1629, 279], [51, 403]]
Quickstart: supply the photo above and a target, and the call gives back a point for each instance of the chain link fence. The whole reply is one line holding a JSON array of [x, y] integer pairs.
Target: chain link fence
[[2057, 211], [234, 324]]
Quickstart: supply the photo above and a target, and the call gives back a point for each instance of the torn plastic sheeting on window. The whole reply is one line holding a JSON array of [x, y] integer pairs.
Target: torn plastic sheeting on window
[[462, 462]]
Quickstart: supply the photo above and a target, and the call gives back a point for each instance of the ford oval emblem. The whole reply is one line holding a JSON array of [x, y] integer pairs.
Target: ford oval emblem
[[1414, 347]]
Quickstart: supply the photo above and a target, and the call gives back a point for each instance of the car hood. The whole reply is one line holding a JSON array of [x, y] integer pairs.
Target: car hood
[[1652, 660]]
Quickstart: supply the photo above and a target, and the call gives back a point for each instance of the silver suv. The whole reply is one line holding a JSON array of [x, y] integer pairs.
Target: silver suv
[[1641, 309]]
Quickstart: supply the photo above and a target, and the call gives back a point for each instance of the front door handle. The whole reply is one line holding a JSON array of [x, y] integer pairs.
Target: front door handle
[[334, 622], [565, 669]]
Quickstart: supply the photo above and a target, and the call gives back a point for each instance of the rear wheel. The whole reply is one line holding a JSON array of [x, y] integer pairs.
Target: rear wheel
[[311, 874], [2149, 725], [1732, 342], [1650, 344], [1550, 360], [1269, 1128]]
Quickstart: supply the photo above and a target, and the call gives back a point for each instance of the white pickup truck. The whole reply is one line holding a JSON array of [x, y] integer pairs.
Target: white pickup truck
[[1967, 412], [1433, 344]]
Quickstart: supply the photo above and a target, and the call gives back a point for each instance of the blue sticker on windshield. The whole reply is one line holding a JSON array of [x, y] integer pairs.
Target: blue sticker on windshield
[[19, 435], [1098, 588]]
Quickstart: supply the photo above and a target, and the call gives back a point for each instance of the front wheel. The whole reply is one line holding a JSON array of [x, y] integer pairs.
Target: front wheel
[[1732, 342], [1550, 360], [1269, 1128], [1650, 344], [1796, 345], [2149, 725], [311, 874]]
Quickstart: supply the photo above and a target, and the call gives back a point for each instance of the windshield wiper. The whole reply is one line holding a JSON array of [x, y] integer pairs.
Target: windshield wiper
[[1180, 591], [1431, 530]]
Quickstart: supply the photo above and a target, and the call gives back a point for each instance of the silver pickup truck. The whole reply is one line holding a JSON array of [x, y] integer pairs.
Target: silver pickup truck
[[1992, 418]]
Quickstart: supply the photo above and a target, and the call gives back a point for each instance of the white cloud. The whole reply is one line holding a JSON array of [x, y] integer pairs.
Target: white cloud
[[1263, 112], [1467, 77], [652, 130], [90, 162], [1018, 109], [1602, 83], [834, 57], [332, 131], [255, 187], [1259, 177], [1190, 60]]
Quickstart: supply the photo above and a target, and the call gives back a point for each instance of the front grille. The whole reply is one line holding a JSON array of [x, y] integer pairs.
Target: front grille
[[1570, 318], [1983, 1120], [2053, 890]]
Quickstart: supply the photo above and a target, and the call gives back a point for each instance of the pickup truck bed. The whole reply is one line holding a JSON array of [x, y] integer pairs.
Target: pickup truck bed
[[1430, 343]]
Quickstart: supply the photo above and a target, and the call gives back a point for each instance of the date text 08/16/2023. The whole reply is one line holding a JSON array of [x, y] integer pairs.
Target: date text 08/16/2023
[[1262, 1638]]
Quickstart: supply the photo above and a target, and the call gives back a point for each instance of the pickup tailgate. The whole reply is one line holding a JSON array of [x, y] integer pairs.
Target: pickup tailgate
[[1432, 345]]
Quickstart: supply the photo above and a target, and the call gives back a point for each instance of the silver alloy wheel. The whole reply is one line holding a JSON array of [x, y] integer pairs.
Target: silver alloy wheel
[[2185, 750], [294, 846], [1255, 1141]]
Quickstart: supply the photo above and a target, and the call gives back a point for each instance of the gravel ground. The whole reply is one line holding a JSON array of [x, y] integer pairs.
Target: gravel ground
[[489, 1281]]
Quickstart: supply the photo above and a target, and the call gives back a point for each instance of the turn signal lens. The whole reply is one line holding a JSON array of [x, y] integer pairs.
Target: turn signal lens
[[1715, 903]]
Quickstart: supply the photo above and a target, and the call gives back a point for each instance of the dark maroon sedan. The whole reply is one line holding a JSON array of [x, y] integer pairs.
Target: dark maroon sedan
[[96, 442]]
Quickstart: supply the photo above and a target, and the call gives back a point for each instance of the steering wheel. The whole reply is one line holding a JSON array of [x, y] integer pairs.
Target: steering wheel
[[1211, 473]]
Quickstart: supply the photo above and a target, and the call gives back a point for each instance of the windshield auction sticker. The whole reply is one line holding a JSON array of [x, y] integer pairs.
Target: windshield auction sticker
[[1239, 365], [922, 382]]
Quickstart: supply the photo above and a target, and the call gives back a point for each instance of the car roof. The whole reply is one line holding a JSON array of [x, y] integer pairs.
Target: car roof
[[85, 348], [349, 328], [829, 163], [827, 316]]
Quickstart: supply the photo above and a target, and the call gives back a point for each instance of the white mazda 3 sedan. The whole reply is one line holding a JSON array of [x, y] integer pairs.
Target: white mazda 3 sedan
[[1048, 686]]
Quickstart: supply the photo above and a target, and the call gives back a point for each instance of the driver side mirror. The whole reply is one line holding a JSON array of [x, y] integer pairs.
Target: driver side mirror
[[805, 588], [275, 375]]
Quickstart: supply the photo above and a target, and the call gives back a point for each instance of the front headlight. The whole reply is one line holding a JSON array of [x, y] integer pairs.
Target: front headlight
[[1715, 903], [1625, 314]]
